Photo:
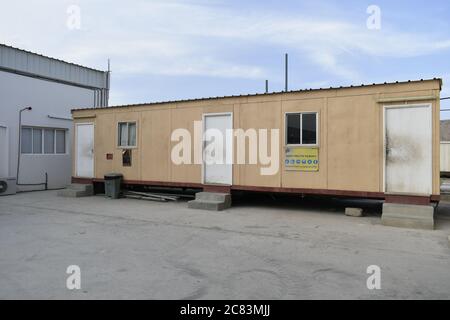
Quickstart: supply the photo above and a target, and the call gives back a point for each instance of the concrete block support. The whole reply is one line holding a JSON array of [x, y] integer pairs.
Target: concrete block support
[[353, 212], [408, 216], [76, 190], [211, 201]]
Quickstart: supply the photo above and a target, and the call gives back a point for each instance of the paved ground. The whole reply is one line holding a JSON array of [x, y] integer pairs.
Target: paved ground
[[262, 248]]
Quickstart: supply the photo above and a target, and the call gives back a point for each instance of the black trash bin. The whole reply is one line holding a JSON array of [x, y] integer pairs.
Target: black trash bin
[[112, 185]]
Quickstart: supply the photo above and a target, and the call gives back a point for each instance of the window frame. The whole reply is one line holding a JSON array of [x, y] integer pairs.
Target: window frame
[[301, 113], [127, 137], [42, 153]]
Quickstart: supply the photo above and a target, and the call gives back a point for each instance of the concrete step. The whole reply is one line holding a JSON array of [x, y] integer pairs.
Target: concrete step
[[80, 186], [211, 201], [207, 205], [213, 196], [76, 190]]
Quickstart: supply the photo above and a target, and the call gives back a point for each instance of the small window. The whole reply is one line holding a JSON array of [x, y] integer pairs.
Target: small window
[[309, 130], [37, 140], [127, 134], [49, 141], [293, 129], [26, 140], [60, 141], [301, 128], [126, 158], [123, 134], [132, 134]]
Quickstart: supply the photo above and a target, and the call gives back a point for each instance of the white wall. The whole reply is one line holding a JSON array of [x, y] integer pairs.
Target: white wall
[[46, 98]]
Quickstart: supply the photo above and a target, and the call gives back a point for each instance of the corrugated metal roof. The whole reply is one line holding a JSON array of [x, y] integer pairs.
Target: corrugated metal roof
[[258, 94], [33, 64]]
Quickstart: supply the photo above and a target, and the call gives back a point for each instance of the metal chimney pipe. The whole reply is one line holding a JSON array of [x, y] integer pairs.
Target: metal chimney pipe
[[286, 72], [267, 86], [108, 83]]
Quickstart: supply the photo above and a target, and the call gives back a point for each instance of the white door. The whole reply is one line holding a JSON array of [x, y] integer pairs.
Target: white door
[[4, 152], [218, 148], [84, 150], [408, 150]]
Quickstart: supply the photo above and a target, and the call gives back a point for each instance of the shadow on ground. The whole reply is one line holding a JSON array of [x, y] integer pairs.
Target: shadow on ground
[[313, 203], [442, 216], [319, 204]]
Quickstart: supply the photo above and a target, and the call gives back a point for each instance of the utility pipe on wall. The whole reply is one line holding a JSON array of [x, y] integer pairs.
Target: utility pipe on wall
[[19, 152], [20, 142]]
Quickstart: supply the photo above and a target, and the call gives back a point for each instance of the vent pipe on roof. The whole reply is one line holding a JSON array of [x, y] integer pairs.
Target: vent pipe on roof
[[108, 83], [286, 72], [267, 86]]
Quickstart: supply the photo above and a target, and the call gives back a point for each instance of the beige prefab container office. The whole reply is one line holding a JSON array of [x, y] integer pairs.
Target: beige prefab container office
[[373, 141]]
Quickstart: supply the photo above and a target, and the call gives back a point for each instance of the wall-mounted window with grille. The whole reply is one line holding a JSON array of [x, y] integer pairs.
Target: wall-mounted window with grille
[[301, 129], [127, 134], [37, 140]]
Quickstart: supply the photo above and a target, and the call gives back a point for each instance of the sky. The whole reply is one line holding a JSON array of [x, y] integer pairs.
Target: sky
[[179, 49]]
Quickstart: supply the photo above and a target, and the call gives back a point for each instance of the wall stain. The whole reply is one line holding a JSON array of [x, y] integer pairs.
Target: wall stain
[[402, 150]]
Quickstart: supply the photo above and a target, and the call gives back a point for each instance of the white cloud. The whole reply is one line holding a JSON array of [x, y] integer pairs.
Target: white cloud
[[191, 38]]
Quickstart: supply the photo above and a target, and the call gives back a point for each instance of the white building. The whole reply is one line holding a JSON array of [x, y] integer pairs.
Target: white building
[[51, 88]]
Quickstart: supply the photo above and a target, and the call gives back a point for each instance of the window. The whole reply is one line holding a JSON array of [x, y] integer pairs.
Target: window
[[127, 134], [309, 130], [126, 158], [43, 140], [293, 128], [37, 140], [26, 140], [301, 128], [49, 141], [60, 141]]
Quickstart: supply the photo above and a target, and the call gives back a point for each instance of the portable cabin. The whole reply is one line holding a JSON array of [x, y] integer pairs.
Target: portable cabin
[[376, 141]]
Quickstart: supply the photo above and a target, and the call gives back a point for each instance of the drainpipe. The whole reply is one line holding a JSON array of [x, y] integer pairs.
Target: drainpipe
[[20, 142], [19, 153]]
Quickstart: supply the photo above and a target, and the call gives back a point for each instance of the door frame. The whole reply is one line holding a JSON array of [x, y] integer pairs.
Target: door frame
[[76, 148], [429, 106], [204, 115]]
